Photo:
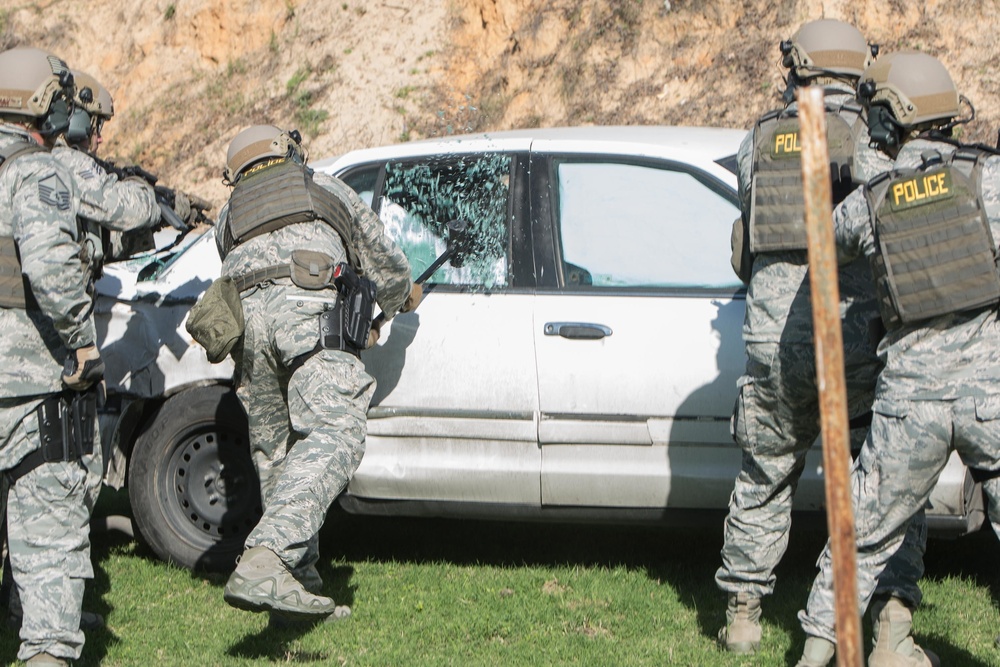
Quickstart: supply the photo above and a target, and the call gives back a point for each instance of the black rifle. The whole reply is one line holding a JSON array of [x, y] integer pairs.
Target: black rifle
[[165, 197]]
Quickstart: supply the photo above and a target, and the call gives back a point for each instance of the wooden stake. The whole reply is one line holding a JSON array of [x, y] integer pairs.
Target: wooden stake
[[830, 372]]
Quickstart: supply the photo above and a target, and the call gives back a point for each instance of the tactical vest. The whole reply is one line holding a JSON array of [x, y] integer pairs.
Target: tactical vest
[[13, 293], [935, 253], [777, 205], [284, 194]]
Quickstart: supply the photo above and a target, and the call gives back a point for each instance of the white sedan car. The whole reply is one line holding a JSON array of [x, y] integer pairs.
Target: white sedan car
[[576, 360]]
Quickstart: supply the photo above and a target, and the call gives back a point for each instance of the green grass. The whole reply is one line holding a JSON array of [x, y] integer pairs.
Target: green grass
[[434, 592]]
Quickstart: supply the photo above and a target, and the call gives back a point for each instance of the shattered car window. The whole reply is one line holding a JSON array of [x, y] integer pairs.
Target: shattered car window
[[419, 200]]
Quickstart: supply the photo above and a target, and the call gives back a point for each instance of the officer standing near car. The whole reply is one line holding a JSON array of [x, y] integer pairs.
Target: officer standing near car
[[308, 259], [929, 229], [776, 420], [107, 206], [51, 365]]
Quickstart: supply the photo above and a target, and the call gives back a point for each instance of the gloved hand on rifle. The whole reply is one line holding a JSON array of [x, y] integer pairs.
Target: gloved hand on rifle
[[182, 207], [83, 368], [412, 301], [374, 333]]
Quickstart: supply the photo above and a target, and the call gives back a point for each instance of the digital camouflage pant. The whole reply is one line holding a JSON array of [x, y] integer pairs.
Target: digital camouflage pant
[[775, 423], [48, 533], [307, 427], [907, 448]]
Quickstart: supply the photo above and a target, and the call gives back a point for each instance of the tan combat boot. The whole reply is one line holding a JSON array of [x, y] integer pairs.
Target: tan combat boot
[[46, 660], [817, 652], [261, 582], [742, 632], [893, 645]]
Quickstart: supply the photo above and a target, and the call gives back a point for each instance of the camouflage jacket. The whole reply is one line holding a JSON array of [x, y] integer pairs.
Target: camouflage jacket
[[38, 206], [944, 357], [381, 258], [107, 202], [778, 306]]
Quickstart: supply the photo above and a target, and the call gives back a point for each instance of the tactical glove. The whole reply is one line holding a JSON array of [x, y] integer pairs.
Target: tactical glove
[[182, 207], [412, 301], [83, 368], [374, 333]]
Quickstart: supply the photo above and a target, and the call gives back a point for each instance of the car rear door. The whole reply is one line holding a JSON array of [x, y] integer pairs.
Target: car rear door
[[454, 414], [637, 331]]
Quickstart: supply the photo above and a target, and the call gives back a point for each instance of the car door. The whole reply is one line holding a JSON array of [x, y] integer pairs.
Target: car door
[[638, 334], [454, 414]]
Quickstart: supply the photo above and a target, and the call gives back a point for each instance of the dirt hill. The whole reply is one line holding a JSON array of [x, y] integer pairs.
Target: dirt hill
[[187, 75]]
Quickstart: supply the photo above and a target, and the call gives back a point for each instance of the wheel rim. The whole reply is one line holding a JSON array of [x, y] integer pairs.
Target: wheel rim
[[211, 485]]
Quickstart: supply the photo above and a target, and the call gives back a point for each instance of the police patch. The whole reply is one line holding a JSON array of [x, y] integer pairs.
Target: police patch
[[924, 188], [52, 191]]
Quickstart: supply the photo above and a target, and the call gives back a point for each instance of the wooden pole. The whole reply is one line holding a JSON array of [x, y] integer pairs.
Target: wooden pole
[[830, 372]]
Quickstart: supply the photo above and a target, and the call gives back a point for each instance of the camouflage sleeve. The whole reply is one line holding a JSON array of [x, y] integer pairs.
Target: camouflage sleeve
[[117, 205], [46, 234], [990, 190], [852, 228], [222, 229], [382, 259], [744, 160]]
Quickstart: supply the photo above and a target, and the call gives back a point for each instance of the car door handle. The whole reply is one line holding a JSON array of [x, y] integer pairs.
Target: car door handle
[[577, 330]]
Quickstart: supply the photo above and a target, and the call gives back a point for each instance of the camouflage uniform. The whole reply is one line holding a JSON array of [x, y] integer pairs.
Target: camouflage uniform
[[939, 390], [106, 203], [48, 508], [307, 425], [776, 419]]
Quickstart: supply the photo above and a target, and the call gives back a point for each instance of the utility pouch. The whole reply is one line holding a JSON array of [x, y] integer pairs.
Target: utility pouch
[[357, 301], [216, 321], [311, 269]]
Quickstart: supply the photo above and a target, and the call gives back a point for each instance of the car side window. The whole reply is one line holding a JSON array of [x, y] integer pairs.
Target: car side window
[[626, 225], [420, 199]]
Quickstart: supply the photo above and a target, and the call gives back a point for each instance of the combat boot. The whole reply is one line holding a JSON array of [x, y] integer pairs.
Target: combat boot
[[261, 582], [46, 660], [817, 652], [892, 622], [742, 632]]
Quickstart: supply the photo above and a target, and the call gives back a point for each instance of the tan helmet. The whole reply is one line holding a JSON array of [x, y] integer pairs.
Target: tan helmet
[[916, 87], [31, 80], [826, 47], [92, 97], [257, 143]]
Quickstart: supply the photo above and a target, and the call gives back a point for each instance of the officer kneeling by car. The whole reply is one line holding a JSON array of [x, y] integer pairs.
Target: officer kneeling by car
[[304, 261]]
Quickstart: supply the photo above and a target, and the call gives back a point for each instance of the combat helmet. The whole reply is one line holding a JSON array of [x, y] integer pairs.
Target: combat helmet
[[34, 84], [827, 47], [92, 107], [257, 143]]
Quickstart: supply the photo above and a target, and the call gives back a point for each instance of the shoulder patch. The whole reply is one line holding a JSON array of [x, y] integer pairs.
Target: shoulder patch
[[52, 191]]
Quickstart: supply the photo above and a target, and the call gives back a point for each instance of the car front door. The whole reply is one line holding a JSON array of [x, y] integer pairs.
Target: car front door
[[454, 413], [637, 333]]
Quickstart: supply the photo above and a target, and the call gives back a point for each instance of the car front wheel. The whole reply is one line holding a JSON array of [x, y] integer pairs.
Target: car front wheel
[[193, 488]]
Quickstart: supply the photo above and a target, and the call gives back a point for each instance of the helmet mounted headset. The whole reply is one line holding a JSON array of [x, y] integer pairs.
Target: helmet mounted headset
[[36, 85], [825, 49], [910, 91]]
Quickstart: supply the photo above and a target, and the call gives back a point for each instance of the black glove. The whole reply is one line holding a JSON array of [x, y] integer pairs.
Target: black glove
[[83, 368]]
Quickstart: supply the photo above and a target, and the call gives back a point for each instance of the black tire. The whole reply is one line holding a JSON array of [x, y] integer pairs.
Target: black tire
[[194, 491]]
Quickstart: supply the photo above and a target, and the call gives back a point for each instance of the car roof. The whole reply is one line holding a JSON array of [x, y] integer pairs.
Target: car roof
[[687, 143]]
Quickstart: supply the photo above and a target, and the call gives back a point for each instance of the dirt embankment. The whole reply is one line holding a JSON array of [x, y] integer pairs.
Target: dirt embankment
[[188, 74]]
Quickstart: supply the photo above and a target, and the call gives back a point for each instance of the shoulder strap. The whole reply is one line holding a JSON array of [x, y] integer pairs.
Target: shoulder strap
[[17, 148]]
